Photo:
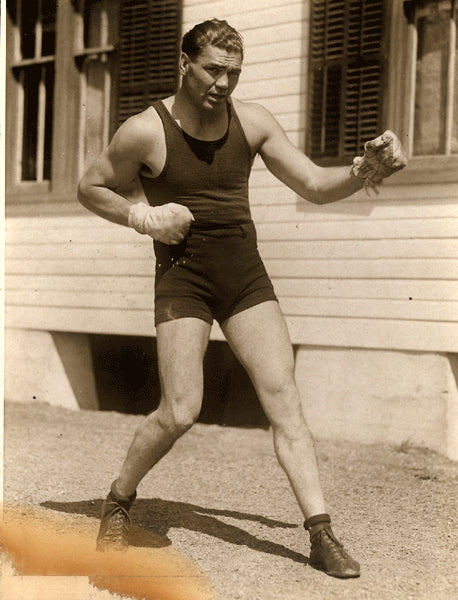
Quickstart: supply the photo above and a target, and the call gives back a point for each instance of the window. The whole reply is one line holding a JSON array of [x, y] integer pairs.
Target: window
[[145, 67], [150, 35], [377, 64], [76, 69], [433, 123], [34, 68], [345, 54], [96, 40]]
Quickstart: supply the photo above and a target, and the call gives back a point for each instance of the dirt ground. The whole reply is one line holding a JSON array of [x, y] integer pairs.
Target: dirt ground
[[220, 498]]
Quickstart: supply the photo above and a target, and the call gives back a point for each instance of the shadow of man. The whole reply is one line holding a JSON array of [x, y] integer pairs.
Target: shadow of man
[[157, 517]]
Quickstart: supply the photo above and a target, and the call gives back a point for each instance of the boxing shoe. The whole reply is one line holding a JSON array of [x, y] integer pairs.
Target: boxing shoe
[[328, 554], [114, 522]]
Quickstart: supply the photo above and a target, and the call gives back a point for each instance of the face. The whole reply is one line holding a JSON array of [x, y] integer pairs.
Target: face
[[211, 77]]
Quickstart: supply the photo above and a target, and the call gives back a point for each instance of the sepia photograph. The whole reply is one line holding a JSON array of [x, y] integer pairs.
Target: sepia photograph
[[230, 320]]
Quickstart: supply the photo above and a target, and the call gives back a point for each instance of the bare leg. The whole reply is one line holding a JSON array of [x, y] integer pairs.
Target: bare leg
[[181, 347], [260, 339]]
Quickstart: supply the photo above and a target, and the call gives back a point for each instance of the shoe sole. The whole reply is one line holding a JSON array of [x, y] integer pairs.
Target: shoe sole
[[352, 575]]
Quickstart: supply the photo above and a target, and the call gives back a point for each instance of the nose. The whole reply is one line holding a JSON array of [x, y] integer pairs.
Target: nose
[[223, 81]]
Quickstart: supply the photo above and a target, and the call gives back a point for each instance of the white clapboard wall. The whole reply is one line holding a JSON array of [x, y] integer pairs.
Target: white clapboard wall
[[380, 274], [369, 273]]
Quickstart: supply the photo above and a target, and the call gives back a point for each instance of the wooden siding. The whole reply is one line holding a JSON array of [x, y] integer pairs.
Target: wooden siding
[[370, 273]]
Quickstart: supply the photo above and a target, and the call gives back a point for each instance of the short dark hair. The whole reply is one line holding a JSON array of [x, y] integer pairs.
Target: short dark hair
[[213, 32]]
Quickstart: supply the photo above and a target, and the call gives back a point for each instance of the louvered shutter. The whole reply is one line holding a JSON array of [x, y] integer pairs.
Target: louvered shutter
[[345, 67], [150, 32]]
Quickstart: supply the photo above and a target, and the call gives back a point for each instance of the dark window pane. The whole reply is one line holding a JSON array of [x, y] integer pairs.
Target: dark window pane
[[92, 23], [331, 138], [11, 6], [49, 82], [29, 18], [48, 21], [316, 113], [29, 141]]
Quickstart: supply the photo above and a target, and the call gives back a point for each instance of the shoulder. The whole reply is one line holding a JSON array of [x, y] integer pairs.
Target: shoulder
[[257, 122], [138, 133]]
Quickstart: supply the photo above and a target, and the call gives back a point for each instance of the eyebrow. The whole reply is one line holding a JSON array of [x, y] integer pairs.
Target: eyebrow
[[215, 65]]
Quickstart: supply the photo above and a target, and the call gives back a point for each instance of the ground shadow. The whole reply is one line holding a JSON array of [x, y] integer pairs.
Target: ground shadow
[[158, 516]]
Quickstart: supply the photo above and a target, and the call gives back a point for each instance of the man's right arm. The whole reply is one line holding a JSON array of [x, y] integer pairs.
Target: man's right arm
[[118, 165]]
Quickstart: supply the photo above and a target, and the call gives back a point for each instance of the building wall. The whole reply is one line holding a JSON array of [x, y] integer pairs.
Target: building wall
[[366, 273]]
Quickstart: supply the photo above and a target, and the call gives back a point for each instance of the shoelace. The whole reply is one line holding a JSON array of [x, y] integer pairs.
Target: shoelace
[[118, 526], [337, 550]]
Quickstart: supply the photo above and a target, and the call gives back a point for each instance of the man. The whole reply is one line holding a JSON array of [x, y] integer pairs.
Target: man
[[193, 154]]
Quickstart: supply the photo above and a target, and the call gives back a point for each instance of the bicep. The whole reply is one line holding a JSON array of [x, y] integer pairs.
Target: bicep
[[111, 170], [312, 182], [119, 163], [285, 161]]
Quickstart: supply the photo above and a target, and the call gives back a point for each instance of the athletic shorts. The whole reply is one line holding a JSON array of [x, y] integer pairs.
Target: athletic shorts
[[212, 274]]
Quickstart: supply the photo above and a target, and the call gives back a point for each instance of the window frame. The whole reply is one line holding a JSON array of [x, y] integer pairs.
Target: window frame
[[67, 158], [346, 63], [434, 168], [61, 186], [18, 67], [104, 53], [398, 103]]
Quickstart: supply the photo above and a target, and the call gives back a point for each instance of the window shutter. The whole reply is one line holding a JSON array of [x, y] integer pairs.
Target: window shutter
[[345, 90], [150, 32]]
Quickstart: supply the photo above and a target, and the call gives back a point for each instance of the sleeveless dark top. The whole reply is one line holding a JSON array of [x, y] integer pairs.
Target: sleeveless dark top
[[210, 178]]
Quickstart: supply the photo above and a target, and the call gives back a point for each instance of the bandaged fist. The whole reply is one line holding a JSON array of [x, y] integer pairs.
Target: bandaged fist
[[382, 157], [168, 223]]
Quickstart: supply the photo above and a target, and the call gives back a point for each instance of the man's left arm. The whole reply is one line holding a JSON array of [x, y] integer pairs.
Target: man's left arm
[[382, 157]]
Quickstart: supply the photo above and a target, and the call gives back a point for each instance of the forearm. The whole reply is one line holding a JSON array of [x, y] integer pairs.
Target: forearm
[[332, 184], [382, 157], [105, 203], [167, 223]]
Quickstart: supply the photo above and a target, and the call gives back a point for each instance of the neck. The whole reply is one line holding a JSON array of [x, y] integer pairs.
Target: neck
[[197, 121]]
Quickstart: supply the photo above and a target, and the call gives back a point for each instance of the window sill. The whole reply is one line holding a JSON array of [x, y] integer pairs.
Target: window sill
[[28, 190], [427, 169], [420, 169], [33, 199]]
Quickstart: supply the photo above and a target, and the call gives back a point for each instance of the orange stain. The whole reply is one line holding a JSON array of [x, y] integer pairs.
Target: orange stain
[[41, 542]]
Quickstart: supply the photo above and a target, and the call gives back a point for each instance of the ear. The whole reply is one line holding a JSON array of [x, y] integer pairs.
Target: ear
[[184, 63]]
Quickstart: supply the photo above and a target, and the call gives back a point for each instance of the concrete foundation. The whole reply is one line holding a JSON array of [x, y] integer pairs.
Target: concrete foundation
[[56, 368], [368, 396], [375, 396]]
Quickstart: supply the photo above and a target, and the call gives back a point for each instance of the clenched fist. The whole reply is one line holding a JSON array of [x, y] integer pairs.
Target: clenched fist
[[168, 223], [382, 157]]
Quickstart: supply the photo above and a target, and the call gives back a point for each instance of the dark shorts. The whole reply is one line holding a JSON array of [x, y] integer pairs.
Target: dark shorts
[[212, 274]]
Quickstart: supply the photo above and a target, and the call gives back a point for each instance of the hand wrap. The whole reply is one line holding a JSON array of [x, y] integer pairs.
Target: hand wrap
[[382, 157], [168, 223]]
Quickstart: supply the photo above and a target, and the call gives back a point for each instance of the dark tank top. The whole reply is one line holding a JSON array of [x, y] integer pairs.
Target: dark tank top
[[210, 178]]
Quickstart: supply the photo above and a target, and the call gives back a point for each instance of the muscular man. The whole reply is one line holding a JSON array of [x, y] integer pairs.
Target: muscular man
[[193, 153]]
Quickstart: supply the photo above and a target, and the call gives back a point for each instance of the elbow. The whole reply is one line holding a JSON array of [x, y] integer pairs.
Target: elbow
[[83, 195], [318, 198], [315, 196]]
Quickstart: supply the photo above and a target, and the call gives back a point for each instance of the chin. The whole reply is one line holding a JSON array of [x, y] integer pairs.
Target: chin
[[216, 104]]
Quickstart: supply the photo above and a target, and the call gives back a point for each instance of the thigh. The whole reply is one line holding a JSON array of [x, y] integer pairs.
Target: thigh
[[181, 346], [259, 338]]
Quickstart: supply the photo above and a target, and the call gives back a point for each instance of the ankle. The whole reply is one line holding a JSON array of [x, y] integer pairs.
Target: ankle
[[316, 523], [124, 498]]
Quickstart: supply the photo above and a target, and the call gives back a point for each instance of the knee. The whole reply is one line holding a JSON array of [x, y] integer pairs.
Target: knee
[[280, 387], [179, 415], [282, 404]]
